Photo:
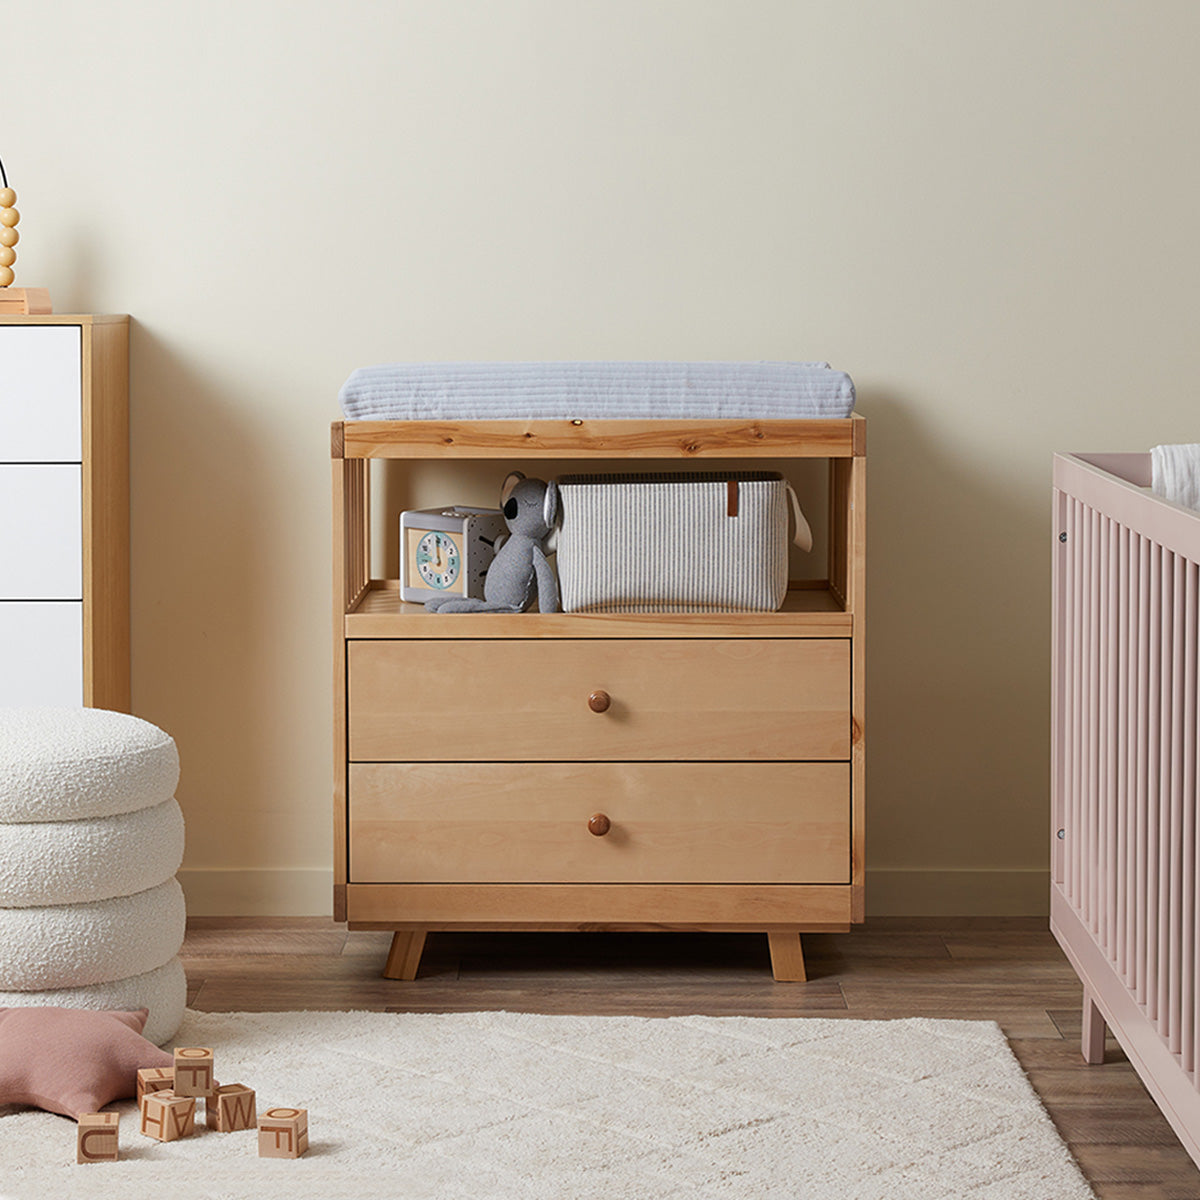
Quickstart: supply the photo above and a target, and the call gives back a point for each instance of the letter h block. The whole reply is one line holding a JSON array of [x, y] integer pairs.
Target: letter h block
[[168, 1117]]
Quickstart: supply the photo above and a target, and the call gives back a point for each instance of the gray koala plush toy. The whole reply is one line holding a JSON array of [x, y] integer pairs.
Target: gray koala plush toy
[[530, 507]]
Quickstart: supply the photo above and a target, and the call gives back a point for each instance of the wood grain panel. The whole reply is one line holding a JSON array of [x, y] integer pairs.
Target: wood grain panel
[[809, 438], [809, 609], [595, 906], [670, 822], [528, 700], [106, 641]]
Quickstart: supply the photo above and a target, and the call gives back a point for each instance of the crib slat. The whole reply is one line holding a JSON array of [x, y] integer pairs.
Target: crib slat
[[1175, 881], [1123, 809], [1112, 843], [1153, 764], [1142, 874], [1079, 784], [1104, 808], [1092, 713], [1187, 899], [1165, 844]]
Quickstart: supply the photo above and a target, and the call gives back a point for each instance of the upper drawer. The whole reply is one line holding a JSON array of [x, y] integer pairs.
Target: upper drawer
[[516, 700], [41, 531], [40, 390]]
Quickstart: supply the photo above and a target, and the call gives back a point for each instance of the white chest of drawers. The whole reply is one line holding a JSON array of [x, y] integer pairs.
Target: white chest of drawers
[[692, 771], [64, 510]]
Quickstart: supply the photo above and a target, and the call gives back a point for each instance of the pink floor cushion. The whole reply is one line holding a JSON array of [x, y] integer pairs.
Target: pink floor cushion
[[72, 1061]]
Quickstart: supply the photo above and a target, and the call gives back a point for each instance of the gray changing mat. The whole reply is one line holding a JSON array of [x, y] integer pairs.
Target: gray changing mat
[[481, 391]]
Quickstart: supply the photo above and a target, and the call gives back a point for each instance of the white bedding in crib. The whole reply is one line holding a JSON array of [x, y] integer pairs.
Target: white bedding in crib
[[477, 391]]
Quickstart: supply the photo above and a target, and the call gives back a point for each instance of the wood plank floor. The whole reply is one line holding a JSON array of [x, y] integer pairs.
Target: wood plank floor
[[1009, 971]]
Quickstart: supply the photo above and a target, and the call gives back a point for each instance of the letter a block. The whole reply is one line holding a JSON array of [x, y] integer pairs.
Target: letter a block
[[167, 1116], [230, 1107], [283, 1133], [193, 1070], [154, 1079], [97, 1137]]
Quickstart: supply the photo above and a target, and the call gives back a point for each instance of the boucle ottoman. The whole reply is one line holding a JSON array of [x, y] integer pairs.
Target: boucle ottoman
[[91, 836]]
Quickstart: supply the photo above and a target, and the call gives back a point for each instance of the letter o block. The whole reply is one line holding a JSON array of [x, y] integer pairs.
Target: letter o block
[[283, 1133], [193, 1071]]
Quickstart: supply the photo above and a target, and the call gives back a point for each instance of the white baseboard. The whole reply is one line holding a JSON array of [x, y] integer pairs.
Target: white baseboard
[[913, 892], [254, 892], [898, 892]]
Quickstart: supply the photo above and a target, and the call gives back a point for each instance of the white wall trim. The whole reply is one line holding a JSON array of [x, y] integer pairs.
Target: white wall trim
[[918, 892], [258, 892]]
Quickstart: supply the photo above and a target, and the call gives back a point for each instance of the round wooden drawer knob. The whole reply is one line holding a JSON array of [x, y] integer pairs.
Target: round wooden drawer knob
[[598, 824], [599, 701]]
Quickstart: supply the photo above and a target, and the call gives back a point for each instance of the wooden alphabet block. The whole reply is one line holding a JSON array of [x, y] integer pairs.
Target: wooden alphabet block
[[154, 1079], [167, 1116], [96, 1140], [231, 1107], [193, 1070], [283, 1133]]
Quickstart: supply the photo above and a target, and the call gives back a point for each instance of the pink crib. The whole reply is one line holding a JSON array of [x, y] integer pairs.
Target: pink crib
[[1124, 889]]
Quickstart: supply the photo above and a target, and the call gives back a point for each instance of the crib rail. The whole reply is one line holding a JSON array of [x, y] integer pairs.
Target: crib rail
[[1126, 842]]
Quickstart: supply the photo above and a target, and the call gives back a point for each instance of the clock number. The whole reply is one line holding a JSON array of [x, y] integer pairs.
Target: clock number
[[437, 560]]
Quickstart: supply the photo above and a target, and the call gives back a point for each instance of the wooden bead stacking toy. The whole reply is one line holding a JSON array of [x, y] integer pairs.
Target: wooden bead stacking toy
[[9, 216], [18, 300]]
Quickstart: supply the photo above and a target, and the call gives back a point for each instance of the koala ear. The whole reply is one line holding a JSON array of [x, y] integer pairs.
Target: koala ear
[[510, 481], [550, 504]]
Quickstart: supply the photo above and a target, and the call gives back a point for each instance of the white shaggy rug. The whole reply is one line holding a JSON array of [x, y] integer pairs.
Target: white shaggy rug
[[496, 1105]]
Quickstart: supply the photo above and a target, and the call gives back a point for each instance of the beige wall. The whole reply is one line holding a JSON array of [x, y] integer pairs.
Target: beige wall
[[986, 213]]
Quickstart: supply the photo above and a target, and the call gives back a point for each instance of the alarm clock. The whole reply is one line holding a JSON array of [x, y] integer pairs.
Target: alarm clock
[[447, 551]]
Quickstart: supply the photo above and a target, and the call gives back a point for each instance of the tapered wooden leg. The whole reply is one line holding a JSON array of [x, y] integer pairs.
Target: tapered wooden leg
[[1093, 1030], [787, 957], [405, 955]]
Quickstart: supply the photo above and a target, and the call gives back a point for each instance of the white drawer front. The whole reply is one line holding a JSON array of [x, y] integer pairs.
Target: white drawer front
[[41, 647], [41, 532], [40, 382]]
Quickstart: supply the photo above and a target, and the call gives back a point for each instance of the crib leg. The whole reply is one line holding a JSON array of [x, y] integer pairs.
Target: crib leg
[[1093, 1030]]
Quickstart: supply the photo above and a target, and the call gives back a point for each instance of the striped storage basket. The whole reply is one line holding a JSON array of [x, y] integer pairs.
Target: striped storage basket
[[676, 542]]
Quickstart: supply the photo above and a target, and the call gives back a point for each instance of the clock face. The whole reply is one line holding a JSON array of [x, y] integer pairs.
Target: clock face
[[439, 561]]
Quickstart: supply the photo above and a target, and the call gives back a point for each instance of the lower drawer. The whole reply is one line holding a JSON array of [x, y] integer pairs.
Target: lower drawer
[[41, 647], [41, 531], [668, 822]]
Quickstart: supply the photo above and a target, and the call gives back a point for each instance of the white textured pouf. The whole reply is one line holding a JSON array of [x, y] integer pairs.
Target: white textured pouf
[[91, 915], [70, 945], [73, 862], [62, 764], [163, 991]]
